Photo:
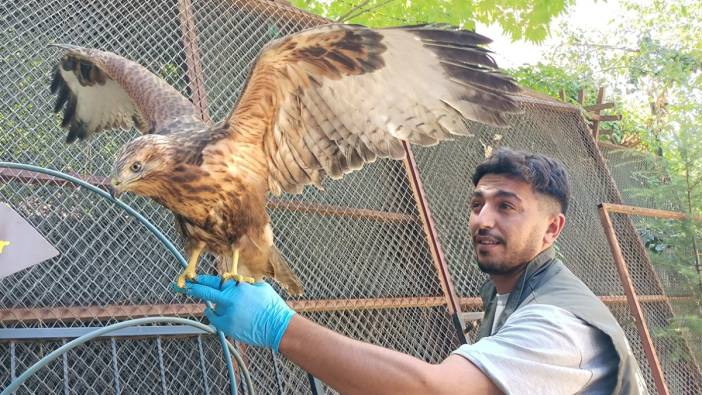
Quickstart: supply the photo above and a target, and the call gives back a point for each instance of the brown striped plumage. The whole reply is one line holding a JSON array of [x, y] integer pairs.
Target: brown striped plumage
[[322, 102]]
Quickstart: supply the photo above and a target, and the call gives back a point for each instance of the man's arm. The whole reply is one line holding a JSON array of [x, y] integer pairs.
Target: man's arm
[[256, 315], [353, 367]]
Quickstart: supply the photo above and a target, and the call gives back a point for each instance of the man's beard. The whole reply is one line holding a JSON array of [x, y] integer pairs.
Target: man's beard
[[499, 269]]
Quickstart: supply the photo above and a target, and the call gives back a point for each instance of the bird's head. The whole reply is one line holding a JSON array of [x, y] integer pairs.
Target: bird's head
[[140, 163]]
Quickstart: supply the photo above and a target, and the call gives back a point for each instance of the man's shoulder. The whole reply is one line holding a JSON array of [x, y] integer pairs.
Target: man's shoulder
[[544, 316]]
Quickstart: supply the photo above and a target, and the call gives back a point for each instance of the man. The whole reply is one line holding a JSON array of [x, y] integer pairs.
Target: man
[[544, 331]]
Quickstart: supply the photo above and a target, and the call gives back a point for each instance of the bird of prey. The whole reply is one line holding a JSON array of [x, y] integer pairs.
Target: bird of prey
[[318, 103]]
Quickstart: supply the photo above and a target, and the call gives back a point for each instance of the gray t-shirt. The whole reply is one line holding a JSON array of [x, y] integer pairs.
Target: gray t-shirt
[[543, 349]]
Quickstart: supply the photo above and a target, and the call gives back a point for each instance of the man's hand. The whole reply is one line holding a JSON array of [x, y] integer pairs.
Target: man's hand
[[253, 314]]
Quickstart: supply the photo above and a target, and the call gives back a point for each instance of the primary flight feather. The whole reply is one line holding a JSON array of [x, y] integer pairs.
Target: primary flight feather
[[318, 103]]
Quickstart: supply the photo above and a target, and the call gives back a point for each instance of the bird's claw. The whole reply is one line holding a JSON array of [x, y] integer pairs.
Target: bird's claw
[[237, 278], [186, 275]]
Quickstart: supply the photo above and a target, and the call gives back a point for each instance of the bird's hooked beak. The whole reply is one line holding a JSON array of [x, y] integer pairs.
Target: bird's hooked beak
[[114, 188]]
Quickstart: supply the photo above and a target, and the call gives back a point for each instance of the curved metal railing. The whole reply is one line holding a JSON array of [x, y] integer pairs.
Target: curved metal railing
[[227, 348]]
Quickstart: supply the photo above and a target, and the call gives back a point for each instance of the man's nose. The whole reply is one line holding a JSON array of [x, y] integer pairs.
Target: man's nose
[[484, 218]]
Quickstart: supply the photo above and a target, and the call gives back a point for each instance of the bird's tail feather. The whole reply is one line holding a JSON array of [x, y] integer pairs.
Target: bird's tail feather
[[283, 274]]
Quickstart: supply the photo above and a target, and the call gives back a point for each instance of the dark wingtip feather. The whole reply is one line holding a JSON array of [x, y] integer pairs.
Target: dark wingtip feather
[[69, 112], [466, 54], [481, 77], [62, 97], [454, 37], [56, 79], [77, 131]]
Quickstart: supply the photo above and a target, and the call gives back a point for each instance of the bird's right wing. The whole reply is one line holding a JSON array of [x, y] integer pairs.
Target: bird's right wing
[[326, 101], [100, 90]]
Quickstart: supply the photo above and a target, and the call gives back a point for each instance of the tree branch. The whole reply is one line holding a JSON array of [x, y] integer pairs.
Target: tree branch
[[352, 10], [359, 12], [605, 46]]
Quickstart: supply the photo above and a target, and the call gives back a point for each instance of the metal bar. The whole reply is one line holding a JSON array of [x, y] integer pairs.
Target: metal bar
[[46, 314], [196, 82], [335, 211], [366, 304], [115, 369], [635, 307], [304, 207], [64, 358], [63, 333], [276, 370], [161, 368], [32, 177], [315, 385], [119, 311], [13, 361], [205, 379], [647, 212], [437, 253], [607, 299], [47, 359]]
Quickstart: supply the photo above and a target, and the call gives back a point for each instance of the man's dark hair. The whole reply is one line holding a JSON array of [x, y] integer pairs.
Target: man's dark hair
[[545, 175]]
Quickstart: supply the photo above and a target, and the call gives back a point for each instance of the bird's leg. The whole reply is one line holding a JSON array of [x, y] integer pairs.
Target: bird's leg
[[233, 274], [189, 272]]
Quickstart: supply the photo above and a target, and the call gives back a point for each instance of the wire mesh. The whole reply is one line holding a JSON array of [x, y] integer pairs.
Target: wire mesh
[[677, 346], [637, 174], [361, 238], [110, 268]]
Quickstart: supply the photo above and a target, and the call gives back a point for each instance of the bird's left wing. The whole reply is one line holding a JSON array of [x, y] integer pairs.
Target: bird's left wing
[[100, 90], [327, 100]]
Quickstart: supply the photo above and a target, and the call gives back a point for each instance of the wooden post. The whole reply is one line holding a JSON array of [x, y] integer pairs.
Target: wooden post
[[596, 122]]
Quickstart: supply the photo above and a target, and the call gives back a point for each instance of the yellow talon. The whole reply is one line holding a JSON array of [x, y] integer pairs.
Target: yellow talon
[[189, 272], [233, 275], [186, 275], [237, 277]]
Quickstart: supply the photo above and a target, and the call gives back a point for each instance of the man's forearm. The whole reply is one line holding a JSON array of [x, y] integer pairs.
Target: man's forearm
[[348, 365], [351, 366]]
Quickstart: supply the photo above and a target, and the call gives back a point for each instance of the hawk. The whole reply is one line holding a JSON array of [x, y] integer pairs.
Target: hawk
[[318, 103]]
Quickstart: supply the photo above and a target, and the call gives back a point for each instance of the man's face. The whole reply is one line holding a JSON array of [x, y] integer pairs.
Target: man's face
[[510, 223]]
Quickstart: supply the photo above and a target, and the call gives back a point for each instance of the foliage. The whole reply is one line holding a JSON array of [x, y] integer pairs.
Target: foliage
[[653, 66], [520, 19], [550, 79]]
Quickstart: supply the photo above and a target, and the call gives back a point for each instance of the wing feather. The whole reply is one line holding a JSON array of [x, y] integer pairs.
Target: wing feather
[[336, 97], [100, 90]]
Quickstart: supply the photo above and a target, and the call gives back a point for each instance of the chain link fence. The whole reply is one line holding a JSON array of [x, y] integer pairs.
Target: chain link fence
[[671, 246], [360, 247]]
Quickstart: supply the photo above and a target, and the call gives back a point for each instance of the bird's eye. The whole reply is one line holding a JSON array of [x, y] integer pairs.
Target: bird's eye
[[135, 167]]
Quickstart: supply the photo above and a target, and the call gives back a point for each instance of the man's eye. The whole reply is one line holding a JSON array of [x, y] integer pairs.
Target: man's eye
[[506, 206], [475, 204]]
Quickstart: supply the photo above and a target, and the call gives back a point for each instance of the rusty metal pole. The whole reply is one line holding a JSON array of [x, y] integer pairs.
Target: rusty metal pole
[[196, 81], [452, 301], [636, 311]]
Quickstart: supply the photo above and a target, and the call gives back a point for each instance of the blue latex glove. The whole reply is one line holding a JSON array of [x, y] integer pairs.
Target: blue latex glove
[[253, 314]]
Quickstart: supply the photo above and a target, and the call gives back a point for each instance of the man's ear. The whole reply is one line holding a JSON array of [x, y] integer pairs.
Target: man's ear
[[555, 226]]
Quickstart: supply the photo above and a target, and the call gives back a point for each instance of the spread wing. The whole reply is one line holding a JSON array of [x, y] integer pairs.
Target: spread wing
[[327, 100], [99, 90]]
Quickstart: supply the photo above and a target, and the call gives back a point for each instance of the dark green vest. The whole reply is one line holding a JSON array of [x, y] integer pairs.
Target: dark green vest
[[547, 281]]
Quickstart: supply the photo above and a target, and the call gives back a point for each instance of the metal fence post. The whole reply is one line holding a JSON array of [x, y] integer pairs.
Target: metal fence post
[[452, 301]]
